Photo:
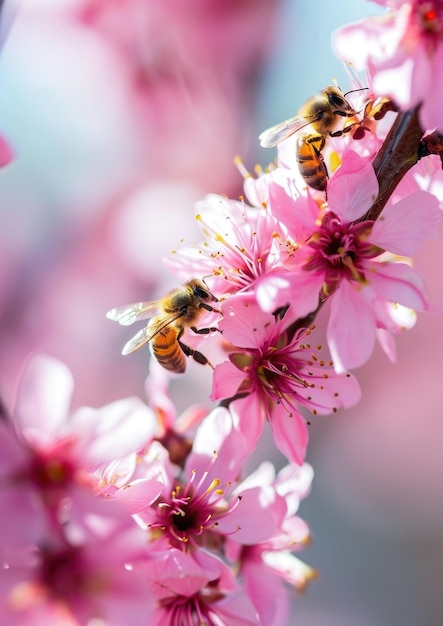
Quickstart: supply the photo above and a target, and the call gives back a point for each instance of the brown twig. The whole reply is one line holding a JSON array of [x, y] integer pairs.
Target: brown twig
[[399, 152]]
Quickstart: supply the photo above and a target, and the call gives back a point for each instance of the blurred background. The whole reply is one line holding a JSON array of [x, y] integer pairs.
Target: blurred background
[[121, 114]]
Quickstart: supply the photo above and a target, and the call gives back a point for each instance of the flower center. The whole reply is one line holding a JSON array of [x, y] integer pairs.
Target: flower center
[[62, 571], [189, 512], [51, 472], [428, 15], [339, 251]]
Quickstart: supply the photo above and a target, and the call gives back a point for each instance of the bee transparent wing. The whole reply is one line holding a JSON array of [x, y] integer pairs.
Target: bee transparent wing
[[145, 335], [274, 135], [139, 340], [129, 313]]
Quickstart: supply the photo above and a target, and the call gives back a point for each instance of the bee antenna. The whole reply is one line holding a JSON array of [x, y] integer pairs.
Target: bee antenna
[[354, 90]]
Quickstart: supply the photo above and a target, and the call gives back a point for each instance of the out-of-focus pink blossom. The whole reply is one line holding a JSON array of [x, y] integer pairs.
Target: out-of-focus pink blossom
[[52, 454], [6, 152], [274, 374], [403, 52], [157, 95], [90, 436], [87, 575]]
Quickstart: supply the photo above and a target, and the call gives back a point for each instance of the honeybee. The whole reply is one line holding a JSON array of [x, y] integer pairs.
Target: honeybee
[[170, 316], [320, 116]]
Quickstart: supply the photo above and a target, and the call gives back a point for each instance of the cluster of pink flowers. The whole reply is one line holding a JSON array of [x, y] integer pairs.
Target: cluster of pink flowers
[[130, 514], [102, 521]]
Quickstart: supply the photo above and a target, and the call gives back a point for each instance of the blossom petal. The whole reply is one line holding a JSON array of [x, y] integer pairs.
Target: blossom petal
[[138, 495], [387, 343], [22, 524], [290, 433], [113, 431], [305, 289], [14, 455], [175, 572], [244, 323], [236, 609], [351, 328], [218, 448], [402, 227], [398, 282], [298, 214], [43, 398], [353, 187], [268, 593], [258, 503], [226, 380], [329, 393], [273, 289], [430, 113], [248, 415], [294, 483]]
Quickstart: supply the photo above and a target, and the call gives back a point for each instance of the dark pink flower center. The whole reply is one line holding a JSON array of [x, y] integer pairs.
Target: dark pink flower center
[[51, 472], [284, 373], [428, 17], [339, 251], [190, 512], [62, 571]]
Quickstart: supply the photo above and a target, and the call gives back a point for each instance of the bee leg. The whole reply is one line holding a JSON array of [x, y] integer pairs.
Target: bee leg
[[346, 129], [317, 139], [208, 307], [205, 331], [195, 354], [321, 161]]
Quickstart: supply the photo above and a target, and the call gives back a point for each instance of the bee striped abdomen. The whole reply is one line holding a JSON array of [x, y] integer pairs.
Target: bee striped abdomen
[[167, 351], [311, 165]]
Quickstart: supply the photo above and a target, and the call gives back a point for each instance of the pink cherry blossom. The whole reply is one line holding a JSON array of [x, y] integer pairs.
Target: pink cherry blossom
[[90, 436], [245, 250], [274, 373], [266, 565], [189, 510], [197, 589], [345, 262], [403, 53], [52, 454], [85, 574]]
